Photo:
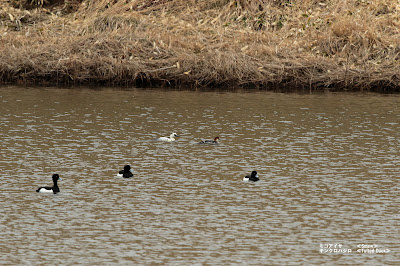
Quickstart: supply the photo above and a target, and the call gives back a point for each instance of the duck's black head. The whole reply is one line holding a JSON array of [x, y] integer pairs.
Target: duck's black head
[[127, 168], [254, 173], [55, 177]]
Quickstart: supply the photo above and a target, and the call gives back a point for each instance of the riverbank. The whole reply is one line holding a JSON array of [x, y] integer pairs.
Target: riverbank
[[346, 45]]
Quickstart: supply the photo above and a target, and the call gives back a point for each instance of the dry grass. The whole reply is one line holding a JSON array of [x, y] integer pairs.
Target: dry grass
[[340, 45]]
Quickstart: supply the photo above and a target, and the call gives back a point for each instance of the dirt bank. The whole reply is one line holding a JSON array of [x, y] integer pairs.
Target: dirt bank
[[337, 45]]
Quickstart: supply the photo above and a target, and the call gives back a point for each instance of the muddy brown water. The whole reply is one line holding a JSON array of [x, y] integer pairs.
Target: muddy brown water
[[328, 164]]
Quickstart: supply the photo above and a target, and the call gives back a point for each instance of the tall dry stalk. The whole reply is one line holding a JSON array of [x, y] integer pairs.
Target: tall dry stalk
[[311, 44]]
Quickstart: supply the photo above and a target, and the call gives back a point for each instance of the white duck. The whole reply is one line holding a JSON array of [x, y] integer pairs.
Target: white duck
[[168, 139]]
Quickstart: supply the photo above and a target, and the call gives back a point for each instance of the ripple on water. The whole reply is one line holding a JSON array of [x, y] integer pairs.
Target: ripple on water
[[328, 175]]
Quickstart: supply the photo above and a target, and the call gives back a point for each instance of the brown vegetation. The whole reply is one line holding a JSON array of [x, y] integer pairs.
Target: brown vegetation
[[340, 45]]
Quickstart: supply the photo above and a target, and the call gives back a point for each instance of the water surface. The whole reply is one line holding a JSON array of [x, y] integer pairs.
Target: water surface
[[328, 163]]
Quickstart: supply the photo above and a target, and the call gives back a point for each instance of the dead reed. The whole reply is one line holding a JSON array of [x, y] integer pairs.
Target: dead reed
[[336, 45]]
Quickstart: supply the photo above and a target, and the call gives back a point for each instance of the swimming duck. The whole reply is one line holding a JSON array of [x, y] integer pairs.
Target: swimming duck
[[210, 142], [54, 189], [168, 139], [126, 173], [253, 177]]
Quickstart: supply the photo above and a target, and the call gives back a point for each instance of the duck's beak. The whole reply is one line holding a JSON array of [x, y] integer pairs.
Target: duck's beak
[[257, 175], [59, 178]]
